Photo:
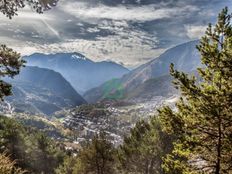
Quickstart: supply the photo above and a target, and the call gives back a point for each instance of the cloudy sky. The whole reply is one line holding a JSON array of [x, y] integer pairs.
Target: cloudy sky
[[130, 32]]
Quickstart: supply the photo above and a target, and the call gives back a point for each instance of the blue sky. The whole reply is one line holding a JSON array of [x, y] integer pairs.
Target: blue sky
[[130, 32]]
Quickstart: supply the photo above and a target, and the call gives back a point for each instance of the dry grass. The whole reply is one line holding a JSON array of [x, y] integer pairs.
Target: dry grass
[[8, 167]]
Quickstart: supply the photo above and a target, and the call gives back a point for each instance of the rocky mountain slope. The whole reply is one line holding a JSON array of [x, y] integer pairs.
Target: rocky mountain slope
[[39, 90], [185, 58]]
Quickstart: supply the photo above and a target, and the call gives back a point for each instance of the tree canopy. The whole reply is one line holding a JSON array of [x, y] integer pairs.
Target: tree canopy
[[10, 64], [203, 120], [143, 149], [11, 7]]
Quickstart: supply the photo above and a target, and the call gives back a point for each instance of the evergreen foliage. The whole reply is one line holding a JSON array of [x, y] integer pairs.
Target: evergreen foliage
[[97, 157], [32, 150], [10, 64], [203, 120], [67, 167], [143, 149], [11, 7]]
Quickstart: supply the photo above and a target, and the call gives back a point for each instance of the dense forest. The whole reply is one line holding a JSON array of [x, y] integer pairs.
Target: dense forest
[[193, 137]]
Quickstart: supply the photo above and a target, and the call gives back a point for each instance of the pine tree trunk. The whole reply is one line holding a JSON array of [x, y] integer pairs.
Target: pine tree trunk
[[218, 163], [147, 167], [97, 165], [219, 144], [151, 166]]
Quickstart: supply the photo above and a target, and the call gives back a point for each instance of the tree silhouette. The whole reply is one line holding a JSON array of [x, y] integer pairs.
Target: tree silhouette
[[11, 7]]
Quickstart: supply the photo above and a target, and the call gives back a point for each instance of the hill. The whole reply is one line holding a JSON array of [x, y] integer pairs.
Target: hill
[[40, 90]]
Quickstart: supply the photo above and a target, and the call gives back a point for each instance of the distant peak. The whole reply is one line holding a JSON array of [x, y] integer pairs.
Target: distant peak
[[78, 56]]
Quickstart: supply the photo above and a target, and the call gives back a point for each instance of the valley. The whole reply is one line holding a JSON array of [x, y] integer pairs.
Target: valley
[[115, 87], [45, 98]]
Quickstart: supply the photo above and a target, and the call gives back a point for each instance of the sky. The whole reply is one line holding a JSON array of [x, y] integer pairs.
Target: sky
[[129, 32]]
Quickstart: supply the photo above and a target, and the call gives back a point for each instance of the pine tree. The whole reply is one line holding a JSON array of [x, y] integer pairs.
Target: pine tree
[[68, 166], [47, 156], [10, 63], [98, 157], [143, 149], [203, 120], [12, 140], [30, 149]]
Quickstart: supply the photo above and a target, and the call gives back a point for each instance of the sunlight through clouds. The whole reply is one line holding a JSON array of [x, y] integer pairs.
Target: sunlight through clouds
[[132, 32]]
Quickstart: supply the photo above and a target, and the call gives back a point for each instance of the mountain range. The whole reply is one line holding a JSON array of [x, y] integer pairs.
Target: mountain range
[[53, 87], [151, 78], [83, 73]]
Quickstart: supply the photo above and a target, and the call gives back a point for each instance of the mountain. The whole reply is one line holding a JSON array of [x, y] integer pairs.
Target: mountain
[[185, 58], [160, 86], [40, 90], [82, 73], [114, 90]]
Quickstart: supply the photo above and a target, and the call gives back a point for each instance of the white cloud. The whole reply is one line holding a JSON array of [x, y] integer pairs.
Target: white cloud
[[96, 50], [72, 25], [131, 47], [135, 13], [195, 31]]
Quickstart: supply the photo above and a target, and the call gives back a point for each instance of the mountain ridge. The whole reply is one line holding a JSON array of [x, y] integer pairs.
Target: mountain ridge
[[42, 90], [184, 56], [81, 72]]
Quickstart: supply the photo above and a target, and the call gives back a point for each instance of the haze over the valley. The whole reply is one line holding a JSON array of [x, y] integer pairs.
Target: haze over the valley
[[130, 32]]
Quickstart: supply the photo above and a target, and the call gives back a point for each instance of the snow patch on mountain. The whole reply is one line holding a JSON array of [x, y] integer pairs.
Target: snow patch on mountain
[[78, 57]]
